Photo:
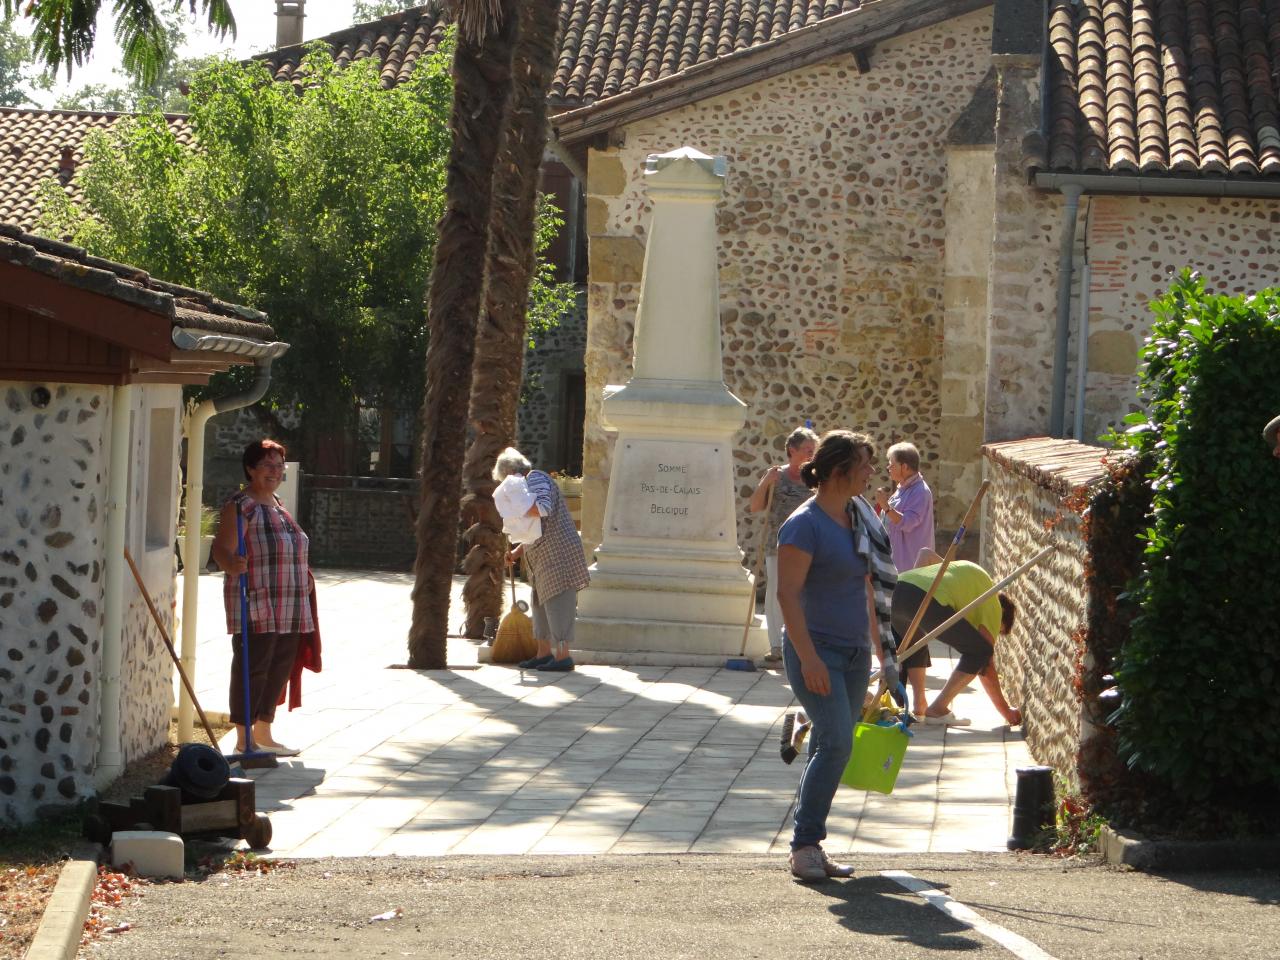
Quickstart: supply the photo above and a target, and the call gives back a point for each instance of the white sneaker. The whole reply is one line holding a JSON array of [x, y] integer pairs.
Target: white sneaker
[[808, 864], [836, 869], [948, 719]]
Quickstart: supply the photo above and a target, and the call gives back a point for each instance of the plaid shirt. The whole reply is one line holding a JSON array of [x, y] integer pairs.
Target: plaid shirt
[[278, 571], [554, 561]]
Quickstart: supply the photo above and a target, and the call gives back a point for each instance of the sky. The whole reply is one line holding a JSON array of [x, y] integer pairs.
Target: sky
[[255, 32]]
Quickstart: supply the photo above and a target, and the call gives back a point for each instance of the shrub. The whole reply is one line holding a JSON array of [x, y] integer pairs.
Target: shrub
[[1198, 674]]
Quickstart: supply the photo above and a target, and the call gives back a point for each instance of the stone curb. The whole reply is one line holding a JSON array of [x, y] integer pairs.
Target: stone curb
[[58, 936], [1125, 848]]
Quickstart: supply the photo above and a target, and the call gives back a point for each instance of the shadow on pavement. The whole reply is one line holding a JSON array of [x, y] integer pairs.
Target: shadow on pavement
[[877, 906], [1262, 886]]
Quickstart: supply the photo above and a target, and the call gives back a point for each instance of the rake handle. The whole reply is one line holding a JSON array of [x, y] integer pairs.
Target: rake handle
[[164, 635]]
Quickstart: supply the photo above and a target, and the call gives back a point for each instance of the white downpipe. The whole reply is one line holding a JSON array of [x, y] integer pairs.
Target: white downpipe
[[1082, 353], [110, 752], [196, 423]]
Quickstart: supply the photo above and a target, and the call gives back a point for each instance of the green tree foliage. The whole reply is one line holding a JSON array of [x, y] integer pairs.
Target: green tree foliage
[[63, 31], [19, 77], [1199, 673], [319, 208], [366, 10]]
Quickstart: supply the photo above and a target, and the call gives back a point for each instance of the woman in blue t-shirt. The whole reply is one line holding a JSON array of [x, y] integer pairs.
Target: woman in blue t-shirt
[[827, 608]]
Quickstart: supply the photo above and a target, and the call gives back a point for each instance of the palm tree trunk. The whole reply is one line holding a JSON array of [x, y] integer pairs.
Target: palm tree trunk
[[482, 84], [500, 339]]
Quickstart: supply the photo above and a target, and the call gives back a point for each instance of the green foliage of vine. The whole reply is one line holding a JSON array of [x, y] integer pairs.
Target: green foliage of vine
[[1199, 673]]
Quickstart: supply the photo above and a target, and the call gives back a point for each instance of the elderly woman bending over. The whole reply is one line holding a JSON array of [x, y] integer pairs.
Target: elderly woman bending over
[[554, 564]]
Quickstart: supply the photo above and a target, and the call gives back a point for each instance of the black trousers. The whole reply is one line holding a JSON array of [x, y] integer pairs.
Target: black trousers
[[962, 636], [271, 658]]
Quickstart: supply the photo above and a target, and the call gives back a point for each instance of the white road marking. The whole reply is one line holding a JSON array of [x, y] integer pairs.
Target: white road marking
[[1020, 947]]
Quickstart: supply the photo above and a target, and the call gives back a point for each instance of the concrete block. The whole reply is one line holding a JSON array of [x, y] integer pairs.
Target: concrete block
[[153, 853]]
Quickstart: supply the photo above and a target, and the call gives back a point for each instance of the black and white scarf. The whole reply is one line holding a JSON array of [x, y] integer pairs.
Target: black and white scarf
[[871, 542]]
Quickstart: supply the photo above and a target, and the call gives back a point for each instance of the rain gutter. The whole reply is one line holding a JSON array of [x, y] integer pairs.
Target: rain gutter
[[264, 354]]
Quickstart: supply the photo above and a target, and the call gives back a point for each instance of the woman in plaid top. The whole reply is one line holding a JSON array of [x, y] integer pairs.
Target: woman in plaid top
[[554, 564], [278, 581]]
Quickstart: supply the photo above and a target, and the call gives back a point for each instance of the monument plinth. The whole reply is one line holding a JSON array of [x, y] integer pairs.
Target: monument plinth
[[668, 574]]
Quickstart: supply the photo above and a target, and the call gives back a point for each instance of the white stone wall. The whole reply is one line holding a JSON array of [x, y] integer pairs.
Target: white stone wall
[[54, 475], [53, 487], [146, 669], [832, 235]]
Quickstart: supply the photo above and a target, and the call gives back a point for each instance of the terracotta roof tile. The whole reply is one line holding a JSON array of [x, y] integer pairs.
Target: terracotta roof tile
[[33, 145], [1178, 87], [184, 306], [608, 47]]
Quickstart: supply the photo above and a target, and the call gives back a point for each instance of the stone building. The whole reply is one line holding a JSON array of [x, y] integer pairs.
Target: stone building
[[93, 356], [923, 197]]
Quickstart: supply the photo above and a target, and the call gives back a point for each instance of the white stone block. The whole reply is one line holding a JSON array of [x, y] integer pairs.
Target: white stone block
[[153, 853]]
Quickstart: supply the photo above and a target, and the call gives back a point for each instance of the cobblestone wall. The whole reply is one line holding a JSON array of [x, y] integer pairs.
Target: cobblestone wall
[[832, 232], [52, 496], [540, 429], [1027, 510]]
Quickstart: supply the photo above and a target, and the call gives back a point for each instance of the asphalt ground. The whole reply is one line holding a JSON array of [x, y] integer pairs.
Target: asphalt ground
[[708, 907]]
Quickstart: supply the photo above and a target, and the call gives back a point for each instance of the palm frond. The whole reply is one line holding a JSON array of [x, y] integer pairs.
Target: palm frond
[[475, 18], [143, 40], [64, 31]]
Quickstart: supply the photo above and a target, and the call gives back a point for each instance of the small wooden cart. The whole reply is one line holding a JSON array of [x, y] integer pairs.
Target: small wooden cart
[[232, 813]]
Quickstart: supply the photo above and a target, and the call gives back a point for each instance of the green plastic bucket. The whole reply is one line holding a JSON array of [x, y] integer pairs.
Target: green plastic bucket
[[876, 758]]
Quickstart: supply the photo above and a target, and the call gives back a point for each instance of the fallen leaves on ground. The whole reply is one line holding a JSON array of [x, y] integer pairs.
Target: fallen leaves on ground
[[110, 890], [23, 893]]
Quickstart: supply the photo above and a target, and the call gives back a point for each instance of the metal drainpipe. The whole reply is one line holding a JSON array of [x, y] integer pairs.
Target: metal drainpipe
[[110, 752], [1082, 351], [196, 423], [1058, 398]]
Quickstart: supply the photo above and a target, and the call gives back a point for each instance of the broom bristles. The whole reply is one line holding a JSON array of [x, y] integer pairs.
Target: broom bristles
[[514, 641]]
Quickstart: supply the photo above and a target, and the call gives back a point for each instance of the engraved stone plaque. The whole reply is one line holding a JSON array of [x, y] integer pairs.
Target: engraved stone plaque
[[670, 489]]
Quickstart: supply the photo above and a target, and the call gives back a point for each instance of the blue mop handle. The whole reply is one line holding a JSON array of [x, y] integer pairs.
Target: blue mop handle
[[244, 631]]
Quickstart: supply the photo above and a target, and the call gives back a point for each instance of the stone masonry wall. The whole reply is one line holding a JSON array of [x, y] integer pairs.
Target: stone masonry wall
[[832, 233], [1024, 266], [53, 484], [1135, 246], [540, 416], [1039, 662]]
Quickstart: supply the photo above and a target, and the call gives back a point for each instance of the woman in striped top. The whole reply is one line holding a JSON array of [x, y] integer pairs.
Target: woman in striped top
[[554, 563], [279, 587]]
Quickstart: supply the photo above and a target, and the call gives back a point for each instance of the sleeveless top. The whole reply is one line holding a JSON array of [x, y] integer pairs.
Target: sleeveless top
[[278, 577], [787, 495]]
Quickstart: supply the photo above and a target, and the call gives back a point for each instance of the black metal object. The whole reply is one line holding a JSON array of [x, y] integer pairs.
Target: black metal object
[[1033, 806], [199, 771]]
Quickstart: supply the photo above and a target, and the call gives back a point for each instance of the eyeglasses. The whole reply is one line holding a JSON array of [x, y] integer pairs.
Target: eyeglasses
[[272, 468]]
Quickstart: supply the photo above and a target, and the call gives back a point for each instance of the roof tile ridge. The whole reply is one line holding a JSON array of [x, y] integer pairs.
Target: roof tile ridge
[[690, 49], [1092, 86], [618, 72], [1153, 144], [1270, 45], [661, 23], [1237, 124], [1122, 134], [1175, 68], [1205, 105], [1063, 129], [579, 84], [1263, 107], [571, 27]]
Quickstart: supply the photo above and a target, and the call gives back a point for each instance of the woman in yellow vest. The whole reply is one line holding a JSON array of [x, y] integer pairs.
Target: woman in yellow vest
[[973, 636]]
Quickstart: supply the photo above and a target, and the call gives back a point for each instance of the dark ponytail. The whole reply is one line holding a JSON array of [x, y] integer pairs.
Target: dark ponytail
[[838, 452]]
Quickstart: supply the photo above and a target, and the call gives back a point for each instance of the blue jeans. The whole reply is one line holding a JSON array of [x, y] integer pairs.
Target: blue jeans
[[831, 738]]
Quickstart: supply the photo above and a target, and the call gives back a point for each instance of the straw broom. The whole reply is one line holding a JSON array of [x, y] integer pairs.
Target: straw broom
[[514, 640]]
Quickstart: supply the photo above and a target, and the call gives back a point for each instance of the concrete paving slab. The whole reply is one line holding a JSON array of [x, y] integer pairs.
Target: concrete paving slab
[[608, 759]]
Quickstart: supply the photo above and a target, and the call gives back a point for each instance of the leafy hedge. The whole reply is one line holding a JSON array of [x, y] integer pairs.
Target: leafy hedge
[[1199, 673]]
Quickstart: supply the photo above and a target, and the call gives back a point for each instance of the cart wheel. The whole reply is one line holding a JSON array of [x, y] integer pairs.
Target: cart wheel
[[258, 835], [96, 829]]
